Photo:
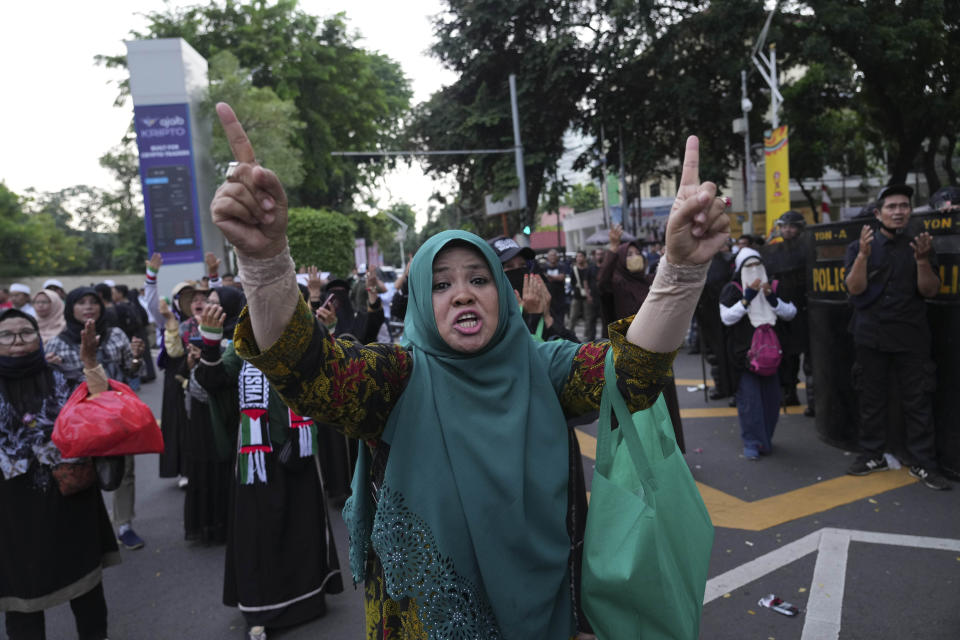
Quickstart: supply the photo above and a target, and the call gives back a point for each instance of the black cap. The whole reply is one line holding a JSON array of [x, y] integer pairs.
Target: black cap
[[792, 217], [507, 248], [895, 189], [943, 195]]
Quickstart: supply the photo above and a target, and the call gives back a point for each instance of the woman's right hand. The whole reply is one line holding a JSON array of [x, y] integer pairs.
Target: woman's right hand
[[155, 262], [615, 236], [315, 283], [213, 316], [250, 207], [326, 315], [89, 342]]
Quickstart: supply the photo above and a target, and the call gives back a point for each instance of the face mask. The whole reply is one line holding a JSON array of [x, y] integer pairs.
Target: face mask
[[752, 272], [635, 263]]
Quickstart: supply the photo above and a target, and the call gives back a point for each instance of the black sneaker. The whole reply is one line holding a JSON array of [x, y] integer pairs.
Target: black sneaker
[[930, 478], [865, 465]]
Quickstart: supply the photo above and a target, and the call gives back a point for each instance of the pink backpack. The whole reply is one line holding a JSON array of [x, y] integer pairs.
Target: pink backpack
[[765, 353]]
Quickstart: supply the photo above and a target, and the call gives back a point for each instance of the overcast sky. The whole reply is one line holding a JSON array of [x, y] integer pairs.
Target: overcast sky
[[57, 109]]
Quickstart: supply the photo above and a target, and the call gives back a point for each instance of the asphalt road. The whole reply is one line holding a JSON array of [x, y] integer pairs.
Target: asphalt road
[[875, 558]]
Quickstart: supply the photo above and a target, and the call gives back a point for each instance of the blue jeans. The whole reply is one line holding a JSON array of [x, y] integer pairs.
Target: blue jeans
[[758, 407]]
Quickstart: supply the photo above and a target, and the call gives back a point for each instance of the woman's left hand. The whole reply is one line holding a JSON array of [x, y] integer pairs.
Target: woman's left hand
[[698, 226], [136, 347]]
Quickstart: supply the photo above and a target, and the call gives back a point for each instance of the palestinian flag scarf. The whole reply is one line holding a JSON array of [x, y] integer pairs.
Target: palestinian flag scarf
[[255, 427]]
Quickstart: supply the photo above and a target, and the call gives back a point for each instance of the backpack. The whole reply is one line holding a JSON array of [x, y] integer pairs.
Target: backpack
[[765, 353]]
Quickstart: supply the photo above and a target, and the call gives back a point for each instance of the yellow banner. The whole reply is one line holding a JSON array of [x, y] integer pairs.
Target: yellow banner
[[776, 152]]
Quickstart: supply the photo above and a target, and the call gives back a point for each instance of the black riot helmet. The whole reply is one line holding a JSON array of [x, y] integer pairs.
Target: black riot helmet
[[792, 217]]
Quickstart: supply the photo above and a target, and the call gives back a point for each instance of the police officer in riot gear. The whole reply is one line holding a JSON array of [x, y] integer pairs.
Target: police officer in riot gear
[[786, 262]]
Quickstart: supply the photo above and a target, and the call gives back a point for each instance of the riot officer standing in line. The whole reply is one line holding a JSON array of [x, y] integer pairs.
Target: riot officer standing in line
[[786, 262], [712, 330]]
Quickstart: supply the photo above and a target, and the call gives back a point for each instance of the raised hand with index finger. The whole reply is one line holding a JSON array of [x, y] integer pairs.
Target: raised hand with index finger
[[698, 226], [250, 207]]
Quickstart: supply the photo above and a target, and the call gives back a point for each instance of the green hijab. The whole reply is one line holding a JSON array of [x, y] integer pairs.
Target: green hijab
[[471, 516]]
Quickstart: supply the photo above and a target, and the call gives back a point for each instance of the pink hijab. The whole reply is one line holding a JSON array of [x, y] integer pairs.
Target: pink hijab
[[55, 322]]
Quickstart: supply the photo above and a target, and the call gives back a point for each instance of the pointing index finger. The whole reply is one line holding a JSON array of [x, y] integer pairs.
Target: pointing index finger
[[691, 163], [236, 136]]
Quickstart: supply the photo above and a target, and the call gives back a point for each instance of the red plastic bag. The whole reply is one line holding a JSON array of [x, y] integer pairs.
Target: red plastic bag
[[113, 423]]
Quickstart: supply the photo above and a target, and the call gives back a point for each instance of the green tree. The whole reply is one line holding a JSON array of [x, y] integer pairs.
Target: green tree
[[270, 123], [904, 61], [80, 211], [125, 206], [33, 243], [824, 130], [348, 98], [582, 197], [321, 238], [665, 71], [484, 41]]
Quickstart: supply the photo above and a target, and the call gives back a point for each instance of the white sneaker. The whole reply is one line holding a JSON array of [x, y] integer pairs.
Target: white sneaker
[[257, 633], [183, 482]]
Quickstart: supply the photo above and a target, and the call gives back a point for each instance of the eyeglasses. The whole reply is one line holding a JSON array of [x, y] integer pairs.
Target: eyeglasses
[[27, 336]]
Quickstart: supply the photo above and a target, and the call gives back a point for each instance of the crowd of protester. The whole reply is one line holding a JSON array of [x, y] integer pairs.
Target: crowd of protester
[[255, 438]]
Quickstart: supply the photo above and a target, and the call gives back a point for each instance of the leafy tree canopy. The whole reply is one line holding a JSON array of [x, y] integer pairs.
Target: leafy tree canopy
[[347, 98], [902, 66], [33, 242], [271, 124], [484, 41]]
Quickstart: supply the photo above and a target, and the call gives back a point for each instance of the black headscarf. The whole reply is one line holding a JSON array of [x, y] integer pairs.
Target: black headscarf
[[25, 380], [347, 317], [630, 288], [74, 327], [232, 301]]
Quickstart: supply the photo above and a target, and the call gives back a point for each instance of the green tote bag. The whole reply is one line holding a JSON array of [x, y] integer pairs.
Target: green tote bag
[[648, 536]]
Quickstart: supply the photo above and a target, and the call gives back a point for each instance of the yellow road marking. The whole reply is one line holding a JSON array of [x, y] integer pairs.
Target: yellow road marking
[[729, 511], [727, 412], [732, 512], [692, 382]]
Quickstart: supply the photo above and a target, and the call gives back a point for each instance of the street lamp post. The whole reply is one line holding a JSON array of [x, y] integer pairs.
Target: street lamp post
[[401, 236], [746, 106]]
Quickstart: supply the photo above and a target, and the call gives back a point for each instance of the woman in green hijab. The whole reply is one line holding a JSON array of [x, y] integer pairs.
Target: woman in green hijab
[[460, 500]]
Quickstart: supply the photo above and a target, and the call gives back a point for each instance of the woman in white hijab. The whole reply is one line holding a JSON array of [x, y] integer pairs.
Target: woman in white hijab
[[750, 306], [48, 306]]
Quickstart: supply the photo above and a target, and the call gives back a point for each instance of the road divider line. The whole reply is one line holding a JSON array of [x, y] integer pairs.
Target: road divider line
[[825, 604]]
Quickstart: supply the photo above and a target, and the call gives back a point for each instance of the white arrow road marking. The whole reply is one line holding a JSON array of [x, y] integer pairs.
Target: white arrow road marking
[[825, 605]]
